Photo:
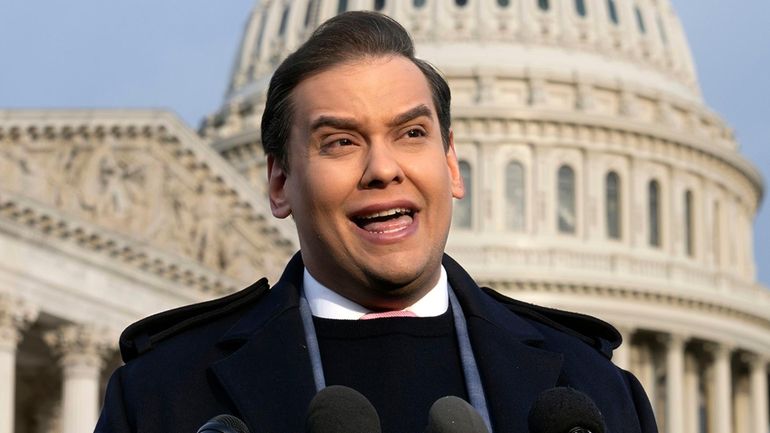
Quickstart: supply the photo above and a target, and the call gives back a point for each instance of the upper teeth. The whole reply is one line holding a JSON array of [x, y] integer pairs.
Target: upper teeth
[[386, 213]]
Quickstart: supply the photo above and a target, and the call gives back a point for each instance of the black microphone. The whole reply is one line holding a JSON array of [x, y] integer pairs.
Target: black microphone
[[454, 415], [224, 424], [565, 410], [339, 409]]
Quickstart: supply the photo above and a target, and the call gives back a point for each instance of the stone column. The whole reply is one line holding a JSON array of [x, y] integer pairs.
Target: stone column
[[758, 377], [674, 383], [15, 315], [622, 355], [723, 390], [81, 351], [646, 373], [691, 394], [741, 404]]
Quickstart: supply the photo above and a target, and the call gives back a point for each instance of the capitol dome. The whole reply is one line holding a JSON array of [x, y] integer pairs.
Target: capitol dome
[[598, 179]]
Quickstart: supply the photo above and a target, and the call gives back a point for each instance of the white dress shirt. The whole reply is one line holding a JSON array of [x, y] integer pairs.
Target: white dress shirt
[[328, 304]]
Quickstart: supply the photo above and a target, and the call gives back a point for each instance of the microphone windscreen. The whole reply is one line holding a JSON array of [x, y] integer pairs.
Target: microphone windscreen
[[339, 409], [224, 424], [454, 415], [561, 409]]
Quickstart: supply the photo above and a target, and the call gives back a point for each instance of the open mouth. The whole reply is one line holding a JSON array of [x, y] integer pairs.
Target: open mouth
[[386, 221]]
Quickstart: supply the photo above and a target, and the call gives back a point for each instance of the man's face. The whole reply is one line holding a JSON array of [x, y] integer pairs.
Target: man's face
[[370, 184]]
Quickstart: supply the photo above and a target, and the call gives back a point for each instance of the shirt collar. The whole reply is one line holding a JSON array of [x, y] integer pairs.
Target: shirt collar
[[328, 304]]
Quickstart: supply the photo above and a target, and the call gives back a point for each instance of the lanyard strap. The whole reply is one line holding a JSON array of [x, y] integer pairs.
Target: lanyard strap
[[312, 343], [470, 370]]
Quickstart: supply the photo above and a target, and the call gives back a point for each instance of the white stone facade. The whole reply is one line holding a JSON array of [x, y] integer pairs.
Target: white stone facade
[[599, 182]]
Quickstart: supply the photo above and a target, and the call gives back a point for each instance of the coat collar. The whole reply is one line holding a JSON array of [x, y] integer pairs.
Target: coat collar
[[269, 375]]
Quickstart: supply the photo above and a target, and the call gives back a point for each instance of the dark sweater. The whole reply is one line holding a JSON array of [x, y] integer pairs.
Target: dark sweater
[[402, 365]]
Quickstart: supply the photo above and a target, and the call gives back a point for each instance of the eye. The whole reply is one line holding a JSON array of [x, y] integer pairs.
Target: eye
[[416, 133], [335, 144], [337, 141]]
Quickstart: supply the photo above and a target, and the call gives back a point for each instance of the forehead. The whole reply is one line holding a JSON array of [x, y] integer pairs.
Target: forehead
[[369, 86]]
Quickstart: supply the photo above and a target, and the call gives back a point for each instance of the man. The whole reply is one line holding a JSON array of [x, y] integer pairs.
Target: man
[[361, 155]]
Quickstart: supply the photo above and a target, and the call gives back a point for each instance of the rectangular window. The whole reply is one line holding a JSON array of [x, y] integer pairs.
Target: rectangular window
[[654, 212], [688, 224], [612, 203], [565, 212]]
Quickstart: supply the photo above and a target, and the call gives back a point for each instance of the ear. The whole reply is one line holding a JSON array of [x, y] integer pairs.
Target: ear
[[276, 184], [458, 188]]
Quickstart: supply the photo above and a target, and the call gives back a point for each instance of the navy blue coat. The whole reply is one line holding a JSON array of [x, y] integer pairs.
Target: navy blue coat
[[245, 355]]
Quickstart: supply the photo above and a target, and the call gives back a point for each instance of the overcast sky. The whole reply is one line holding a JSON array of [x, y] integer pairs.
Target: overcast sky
[[177, 54]]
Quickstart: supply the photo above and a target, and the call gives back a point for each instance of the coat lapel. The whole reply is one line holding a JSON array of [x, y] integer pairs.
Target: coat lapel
[[269, 375], [514, 371]]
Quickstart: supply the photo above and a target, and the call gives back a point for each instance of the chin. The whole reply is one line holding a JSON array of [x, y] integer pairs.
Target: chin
[[401, 280]]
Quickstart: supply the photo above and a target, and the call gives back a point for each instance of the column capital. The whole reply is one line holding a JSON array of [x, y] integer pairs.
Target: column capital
[[80, 346], [718, 349], [755, 360], [15, 315], [672, 340]]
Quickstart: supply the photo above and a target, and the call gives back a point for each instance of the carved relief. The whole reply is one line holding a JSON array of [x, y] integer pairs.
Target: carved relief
[[133, 185]]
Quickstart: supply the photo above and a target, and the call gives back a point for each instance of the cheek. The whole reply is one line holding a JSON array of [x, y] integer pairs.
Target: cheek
[[432, 178], [322, 191]]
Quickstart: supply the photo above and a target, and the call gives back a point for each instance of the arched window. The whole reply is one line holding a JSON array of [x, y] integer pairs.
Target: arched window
[[612, 203], [565, 211], [461, 3], [463, 214], [514, 197], [689, 241], [544, 5], [342, 6], [653, 208], [640, 21], [580, 7], [418, 3], [284, 20], [612, 11], [503, 3], [379, 5]]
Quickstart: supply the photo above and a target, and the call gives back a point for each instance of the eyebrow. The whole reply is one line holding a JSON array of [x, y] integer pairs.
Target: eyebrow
[[333, 122], [411, 114], [348, 123]]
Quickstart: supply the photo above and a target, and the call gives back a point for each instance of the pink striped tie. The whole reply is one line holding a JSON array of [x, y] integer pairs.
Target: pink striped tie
[[386, 314]]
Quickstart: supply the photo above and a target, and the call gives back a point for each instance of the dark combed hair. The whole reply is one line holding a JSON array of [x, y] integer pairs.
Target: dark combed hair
[[344, 38]]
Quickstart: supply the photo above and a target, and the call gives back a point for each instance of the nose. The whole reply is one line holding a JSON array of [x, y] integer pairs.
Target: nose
[[382, 167]]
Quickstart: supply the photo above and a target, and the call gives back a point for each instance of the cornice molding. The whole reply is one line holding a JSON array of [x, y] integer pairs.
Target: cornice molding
[[630, 295], [538, 267], [27, 219]]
